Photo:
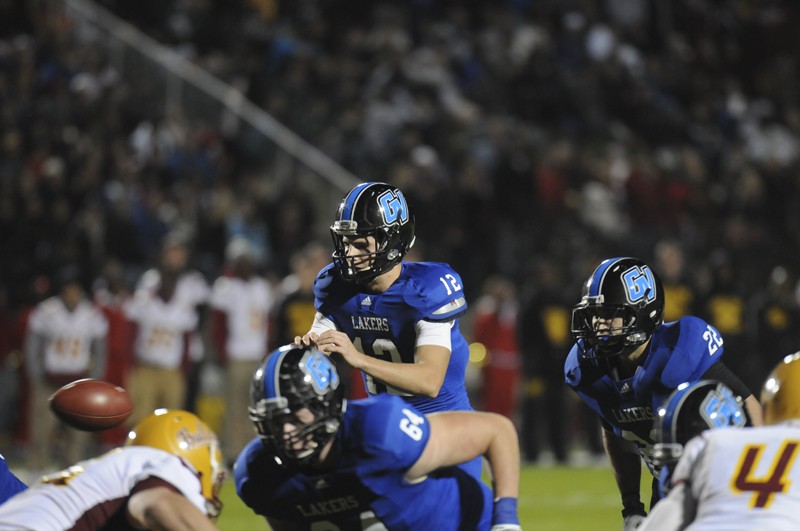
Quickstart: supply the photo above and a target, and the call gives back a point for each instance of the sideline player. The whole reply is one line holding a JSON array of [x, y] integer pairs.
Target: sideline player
[[741, 479], [377, 463], [626, 361]]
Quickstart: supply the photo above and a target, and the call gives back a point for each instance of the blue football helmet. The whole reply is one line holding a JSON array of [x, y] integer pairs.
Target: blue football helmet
[[690, 410], [626, 289], [378, 210], [291, 382]]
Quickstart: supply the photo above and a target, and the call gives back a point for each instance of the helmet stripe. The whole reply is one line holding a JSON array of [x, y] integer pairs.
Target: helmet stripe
[[669, 425], [599, 275], [272, 372], [351, 200]]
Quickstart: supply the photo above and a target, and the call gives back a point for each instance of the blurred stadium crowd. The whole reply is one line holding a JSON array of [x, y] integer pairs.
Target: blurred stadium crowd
[[533, 138]]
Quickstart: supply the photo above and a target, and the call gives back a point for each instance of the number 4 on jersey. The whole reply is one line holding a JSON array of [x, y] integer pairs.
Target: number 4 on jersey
[[774, 482]]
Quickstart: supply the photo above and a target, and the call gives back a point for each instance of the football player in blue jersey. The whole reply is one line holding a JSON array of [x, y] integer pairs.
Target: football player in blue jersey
[[395, 321], [626, 361], [320, 462]]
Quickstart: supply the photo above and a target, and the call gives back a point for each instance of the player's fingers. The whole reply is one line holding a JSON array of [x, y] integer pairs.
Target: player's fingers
[[310, 339]]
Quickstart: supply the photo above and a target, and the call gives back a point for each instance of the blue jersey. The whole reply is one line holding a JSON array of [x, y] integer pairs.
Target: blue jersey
[[679, 351], [380, 438], [382, 325], [9, 483]]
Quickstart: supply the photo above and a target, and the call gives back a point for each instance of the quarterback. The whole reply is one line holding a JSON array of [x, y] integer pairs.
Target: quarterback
[[395, 321]]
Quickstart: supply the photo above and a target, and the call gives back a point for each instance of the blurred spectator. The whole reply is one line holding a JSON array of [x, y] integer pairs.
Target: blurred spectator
[[679, 295], [240, 302], [190, 290], [725, 307], [295, 311], [495, 327], [11, 376], [66, 341], [544, 336], [774, 320], [163, 325]]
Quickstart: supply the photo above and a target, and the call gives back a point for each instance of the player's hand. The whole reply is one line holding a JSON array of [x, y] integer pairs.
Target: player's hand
[[331, 341], [308, 340], [632, 521]]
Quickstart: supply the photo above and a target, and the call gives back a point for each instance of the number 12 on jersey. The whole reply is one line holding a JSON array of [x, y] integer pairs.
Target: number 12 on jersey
[[449, 282]]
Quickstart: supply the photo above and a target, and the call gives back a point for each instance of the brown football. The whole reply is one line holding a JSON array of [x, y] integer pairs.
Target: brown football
[[91, 404]]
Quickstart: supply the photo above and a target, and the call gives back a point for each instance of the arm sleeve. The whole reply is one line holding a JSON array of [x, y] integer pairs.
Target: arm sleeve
[[321, 324], [430, 333]]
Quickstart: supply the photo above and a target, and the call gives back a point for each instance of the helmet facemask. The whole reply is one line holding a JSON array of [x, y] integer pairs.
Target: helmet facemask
[[313, 428], [364, 267], [608, 330]]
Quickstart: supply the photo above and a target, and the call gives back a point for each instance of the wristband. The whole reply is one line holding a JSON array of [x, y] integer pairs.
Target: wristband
[[505, 511]]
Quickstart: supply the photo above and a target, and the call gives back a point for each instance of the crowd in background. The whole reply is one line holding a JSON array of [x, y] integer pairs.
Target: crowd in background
[[532, 138]]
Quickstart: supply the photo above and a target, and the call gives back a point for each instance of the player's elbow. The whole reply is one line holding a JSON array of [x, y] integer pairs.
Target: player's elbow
[[430, 388], [429, 392]]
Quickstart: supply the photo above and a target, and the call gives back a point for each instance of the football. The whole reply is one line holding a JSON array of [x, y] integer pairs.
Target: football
[[91, 404]]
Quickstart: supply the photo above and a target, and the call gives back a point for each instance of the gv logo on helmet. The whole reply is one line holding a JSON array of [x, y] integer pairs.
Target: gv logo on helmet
[[393, 206], [639, 284], [719, 408], [320, 369]]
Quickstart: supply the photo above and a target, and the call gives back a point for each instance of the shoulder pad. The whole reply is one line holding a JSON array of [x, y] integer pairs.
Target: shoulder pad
[[395, 432], [696, 346], [322, 284], [435, 290]]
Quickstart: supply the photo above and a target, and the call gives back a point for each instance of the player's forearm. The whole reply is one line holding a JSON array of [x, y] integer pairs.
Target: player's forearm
[[503, 456], [162, 510], [754, 410], [460, 436], [416, 378], [626, 463]]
